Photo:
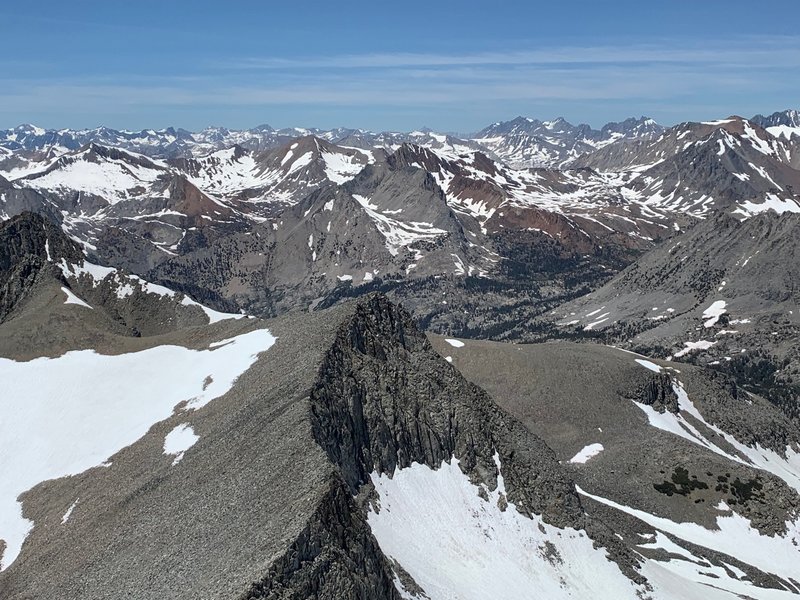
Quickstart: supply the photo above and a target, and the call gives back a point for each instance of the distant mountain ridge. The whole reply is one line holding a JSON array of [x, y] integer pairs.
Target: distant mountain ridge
[[294, 219], [520, 142], [172, 142], [525, 142]]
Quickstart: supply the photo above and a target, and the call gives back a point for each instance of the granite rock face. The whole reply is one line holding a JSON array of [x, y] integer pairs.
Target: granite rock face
[[26, 251], [658, 393], [384, 399], [27, 235], [335, 556]]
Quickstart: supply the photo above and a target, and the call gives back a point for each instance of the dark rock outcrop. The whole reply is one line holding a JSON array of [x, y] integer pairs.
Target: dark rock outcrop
[[385, 399], [658, 393], [29, 243], [336, 556], [30, 234]]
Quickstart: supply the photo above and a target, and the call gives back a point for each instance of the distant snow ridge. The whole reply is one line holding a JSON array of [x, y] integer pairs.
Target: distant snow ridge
[[104, 403]]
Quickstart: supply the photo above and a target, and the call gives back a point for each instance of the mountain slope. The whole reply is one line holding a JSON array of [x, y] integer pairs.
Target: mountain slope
[[664, 451], [731, 165], [722, 294], [341, 453], [391, 222], [525, 142], [291, 491], [266, 183]]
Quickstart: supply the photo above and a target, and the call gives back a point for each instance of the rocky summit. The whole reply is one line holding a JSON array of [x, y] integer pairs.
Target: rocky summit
[[541, 360]]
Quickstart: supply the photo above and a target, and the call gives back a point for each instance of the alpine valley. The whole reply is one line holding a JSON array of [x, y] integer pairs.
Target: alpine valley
[[541, 360]]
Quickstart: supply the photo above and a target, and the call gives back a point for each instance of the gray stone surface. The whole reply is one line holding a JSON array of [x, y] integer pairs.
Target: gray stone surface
[[573, 395]]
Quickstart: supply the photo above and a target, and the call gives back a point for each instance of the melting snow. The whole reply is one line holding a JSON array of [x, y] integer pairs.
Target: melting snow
[[72, 298], [601, 319], [68, 514], [734, 536], [586, 453], [455, 343], [341, 168], [398, 234], [302, 161], [179, 440], [113, 180], [649, 365], [714, 312], [772, 202], [785, 467], [691, 346], [128, 284]]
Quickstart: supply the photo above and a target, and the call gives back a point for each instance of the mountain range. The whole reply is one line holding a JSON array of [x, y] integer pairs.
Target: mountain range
[[300, 363]]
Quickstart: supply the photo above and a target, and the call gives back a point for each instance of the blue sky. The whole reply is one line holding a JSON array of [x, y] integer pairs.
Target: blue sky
[[452, 66]]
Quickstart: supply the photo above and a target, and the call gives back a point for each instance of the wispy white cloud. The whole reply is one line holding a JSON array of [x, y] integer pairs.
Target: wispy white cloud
[[400, 87], [660, 78], [775, 51]]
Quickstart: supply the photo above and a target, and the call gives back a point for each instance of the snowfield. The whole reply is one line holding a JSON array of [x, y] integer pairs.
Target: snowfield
[[735, 537], [458, 546], [114, 180], [62, 416], [341, 168]]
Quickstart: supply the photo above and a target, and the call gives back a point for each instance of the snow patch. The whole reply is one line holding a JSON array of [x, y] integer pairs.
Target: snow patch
[[586, 453], [179, 440], [649, 365], [65, 517], [714, 312], [692, 346], [72, 298], [771, 202]]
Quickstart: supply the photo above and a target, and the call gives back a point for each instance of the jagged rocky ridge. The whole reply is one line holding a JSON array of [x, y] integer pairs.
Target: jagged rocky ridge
[[333, 555]]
